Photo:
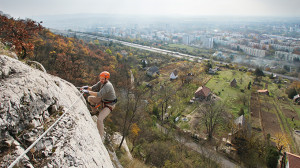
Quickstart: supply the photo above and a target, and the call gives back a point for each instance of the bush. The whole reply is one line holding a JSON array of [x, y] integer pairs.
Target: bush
[[258, 72], [291, 92], [155, 111], [272, 157], [241, 112]]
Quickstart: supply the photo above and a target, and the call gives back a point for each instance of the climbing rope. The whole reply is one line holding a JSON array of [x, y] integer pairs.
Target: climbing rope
[[36, 141]]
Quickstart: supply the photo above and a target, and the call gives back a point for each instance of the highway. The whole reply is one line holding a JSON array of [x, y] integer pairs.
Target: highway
[[167, 52], [152, 49]]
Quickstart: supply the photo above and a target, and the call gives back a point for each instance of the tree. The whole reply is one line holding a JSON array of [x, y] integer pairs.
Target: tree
[[241, 112], [272, 157], [132, 104], [108, 51], [249, 85], [208, 65], [132, 108], [166, 93], [158, 153], [134, 132], [296, 85], [155, 111], [144, 63], [258, 72], [19, 33], [291, 92], [212, 114], [287, 68], [281, 142]]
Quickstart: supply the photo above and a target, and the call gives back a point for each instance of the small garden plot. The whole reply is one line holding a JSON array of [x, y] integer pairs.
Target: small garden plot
[[270, 123]]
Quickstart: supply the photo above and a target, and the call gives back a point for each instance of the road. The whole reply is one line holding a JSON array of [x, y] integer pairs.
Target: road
[[152, 49], [211, 154], [167, 52]]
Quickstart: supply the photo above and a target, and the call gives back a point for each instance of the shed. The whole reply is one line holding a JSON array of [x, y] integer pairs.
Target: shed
[[174, 75], [233, 83]]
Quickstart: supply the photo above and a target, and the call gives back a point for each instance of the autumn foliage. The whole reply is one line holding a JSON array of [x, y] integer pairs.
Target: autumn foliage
[[19, 33], [71, 59]]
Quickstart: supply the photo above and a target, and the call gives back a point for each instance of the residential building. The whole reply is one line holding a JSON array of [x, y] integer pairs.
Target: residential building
[[203, 93], [296, 99], [290, 160], [186, 39], [253, 51], [266, 92], [288, 56], [283, 47], [174, 75], [153, 71]]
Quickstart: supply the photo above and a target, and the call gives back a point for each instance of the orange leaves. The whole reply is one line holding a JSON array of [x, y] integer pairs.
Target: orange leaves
[[19, 33], [282, 142], [296, 85], [135, 129], [85, 51], [68, 58], [50, 35]]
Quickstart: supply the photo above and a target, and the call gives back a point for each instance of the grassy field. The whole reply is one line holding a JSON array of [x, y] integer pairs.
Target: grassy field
[[220, 86]]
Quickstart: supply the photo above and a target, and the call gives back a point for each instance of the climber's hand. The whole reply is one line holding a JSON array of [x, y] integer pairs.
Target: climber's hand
[[85, 87], [85, 91]]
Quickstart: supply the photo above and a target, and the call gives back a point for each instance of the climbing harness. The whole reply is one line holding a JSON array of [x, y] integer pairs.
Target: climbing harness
[[104, 104]]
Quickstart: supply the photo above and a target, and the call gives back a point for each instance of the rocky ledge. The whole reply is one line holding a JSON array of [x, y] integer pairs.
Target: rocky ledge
[[30, 102]]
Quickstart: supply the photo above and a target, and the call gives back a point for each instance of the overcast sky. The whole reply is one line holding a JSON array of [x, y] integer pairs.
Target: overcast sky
[[29, 8]]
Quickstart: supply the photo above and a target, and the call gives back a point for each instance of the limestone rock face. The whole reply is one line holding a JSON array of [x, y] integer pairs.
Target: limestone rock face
[[30, 102]]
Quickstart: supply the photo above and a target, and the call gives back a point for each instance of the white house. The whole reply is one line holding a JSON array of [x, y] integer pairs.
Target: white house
[[174, 75]]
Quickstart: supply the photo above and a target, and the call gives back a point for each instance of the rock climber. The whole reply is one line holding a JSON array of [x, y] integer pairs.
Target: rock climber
[[101, 95]]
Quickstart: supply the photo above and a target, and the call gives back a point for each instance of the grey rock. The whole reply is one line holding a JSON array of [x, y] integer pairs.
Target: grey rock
[[53, 108], [14, 55], [9, 142], [39, 146], [5, 72], [25, 96], [35, 123], [48, 166]]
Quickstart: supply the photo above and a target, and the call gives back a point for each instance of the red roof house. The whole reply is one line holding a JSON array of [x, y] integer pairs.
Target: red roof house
[[203, 93], [290, 160]]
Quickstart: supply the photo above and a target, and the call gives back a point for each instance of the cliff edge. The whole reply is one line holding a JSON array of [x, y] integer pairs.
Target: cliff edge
[[30, 102]]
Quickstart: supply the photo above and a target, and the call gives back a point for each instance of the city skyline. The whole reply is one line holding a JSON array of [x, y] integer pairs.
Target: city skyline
[[31, 8]]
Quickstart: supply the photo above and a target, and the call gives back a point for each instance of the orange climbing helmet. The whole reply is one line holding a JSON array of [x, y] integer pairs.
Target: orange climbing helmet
[[105, 74]]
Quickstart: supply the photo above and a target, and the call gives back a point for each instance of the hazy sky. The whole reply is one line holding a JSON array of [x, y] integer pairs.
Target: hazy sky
[[29, 8]]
